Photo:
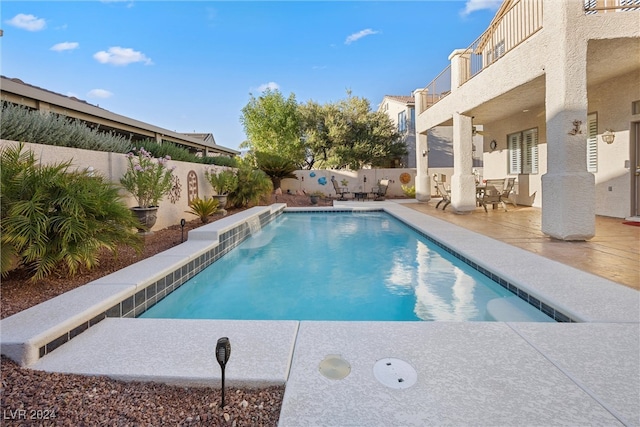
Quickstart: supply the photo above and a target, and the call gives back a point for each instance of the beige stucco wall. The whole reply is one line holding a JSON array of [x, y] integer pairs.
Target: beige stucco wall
[[356, 180], [612, 103], [113, 165]]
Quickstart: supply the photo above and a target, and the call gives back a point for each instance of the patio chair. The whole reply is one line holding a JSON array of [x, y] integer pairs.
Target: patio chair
[[506, 194], [497, 191], [340, 191], [380, 191], [445, 193]]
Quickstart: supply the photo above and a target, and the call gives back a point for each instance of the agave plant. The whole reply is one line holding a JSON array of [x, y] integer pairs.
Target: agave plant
[[203, 208]]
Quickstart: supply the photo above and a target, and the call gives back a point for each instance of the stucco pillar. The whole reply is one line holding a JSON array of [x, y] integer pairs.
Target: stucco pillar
[[423, 181], [460, 67], [568, 190], [463, 183]]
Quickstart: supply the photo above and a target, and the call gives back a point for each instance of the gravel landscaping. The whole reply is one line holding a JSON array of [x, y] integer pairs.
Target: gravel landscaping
[[30, 397]]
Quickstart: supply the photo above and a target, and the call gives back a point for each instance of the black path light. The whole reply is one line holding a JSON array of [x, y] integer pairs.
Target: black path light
[[223, 351], [182, 224]]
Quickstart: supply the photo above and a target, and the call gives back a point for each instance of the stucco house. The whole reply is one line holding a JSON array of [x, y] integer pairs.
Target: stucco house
[[401, 111], [556, 87]]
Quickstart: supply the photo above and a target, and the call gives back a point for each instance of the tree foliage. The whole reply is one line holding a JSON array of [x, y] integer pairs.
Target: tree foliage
[[337, 135], [276, 167], [348, 134], [272, 125]]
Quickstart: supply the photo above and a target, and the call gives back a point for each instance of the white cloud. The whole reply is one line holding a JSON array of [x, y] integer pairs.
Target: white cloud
[[475, 5], [64, 46], [121, 56], [360, 34], [99, 93], [27, 22], [270, 86]]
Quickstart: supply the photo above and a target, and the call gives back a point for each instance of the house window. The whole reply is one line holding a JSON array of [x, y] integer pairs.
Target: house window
[[402, 121], [592, 143], [523, 152], [412, 121], [498, 50]]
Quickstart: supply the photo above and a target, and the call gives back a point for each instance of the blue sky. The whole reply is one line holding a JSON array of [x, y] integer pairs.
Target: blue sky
[[189, 66]]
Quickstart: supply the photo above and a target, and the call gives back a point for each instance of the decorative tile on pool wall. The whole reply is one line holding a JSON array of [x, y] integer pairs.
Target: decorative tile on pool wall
[[146, 298]]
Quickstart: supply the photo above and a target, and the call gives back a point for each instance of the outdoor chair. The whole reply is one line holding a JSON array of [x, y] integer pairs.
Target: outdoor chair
[[506, 194], [380, 191], [497, 191], [445, 193], [340, 191]]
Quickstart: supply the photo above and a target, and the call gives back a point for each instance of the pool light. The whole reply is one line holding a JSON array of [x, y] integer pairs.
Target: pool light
[[223, 351]]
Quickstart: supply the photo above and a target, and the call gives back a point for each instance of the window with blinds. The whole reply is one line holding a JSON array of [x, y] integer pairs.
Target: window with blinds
[[523, 152], [592, 143]]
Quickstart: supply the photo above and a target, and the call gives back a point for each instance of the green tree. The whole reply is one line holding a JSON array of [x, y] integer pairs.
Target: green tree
[[54, 218], [276, 167], [272, 125], [349, 134]]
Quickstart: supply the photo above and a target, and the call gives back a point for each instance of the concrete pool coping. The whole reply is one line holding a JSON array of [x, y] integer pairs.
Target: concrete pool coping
[[473, 372]]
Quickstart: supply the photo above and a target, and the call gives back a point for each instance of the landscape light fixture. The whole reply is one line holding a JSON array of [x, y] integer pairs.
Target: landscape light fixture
[[608, 136], [223, 351], [182, 224]]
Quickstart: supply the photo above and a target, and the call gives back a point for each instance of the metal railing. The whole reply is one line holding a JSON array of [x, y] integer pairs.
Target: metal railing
[[593, 7], [516, 25]]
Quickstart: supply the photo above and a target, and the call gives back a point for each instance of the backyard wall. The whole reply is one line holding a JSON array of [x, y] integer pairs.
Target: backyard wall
[[362, 180], [113, 165]]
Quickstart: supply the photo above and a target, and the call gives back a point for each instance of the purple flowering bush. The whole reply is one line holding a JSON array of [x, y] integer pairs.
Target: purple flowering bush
[[147, 179]]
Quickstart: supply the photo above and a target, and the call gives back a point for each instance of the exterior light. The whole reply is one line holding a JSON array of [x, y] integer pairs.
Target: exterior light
[[182, 224], [608, 136], [223, 351]]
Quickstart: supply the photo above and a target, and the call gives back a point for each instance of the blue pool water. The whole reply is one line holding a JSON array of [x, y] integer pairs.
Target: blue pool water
[[337, 266]]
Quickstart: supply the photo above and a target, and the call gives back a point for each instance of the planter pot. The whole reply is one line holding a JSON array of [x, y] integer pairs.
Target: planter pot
[[222, 203], [147, 218]]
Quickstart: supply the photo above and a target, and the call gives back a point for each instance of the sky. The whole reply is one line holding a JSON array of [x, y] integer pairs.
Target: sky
[[191, 66]]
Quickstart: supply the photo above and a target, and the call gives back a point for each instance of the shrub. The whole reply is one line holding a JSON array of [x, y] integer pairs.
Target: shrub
[[147, 180], [223, 182], [53, 218], [409, 190], [203, 208], [253, 186], [24, 125]]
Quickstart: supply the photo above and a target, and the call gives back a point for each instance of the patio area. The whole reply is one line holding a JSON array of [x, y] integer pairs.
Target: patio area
[[614, 252]]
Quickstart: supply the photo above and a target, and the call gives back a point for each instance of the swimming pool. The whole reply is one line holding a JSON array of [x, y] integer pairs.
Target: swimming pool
[[357, 266]]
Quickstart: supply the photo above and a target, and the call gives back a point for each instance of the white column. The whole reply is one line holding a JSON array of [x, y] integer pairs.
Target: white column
[[463, 183], [460, 67], [423, 181], [568, 190]]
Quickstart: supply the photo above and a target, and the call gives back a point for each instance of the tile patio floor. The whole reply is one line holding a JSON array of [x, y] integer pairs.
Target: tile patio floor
[[614, 252]]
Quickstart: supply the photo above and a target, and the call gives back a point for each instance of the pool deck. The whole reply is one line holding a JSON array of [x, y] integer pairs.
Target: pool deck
[[468, 373]]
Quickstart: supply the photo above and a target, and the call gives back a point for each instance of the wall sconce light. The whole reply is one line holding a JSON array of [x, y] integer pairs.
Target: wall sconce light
[[424, 153], [608, 136]]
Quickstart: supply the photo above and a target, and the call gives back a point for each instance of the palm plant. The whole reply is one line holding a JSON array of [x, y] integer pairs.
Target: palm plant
[[54, 218], [203, 208], [253, 186]]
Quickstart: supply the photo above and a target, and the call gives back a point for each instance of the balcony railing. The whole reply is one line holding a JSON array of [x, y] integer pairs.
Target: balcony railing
[[513, 27], [592, 7]]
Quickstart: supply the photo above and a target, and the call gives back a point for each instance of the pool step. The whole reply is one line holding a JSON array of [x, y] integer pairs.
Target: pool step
[[514, 309]]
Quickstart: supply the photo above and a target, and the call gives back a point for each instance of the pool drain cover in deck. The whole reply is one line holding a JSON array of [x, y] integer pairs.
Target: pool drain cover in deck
[[335, 367], [395, 373]]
